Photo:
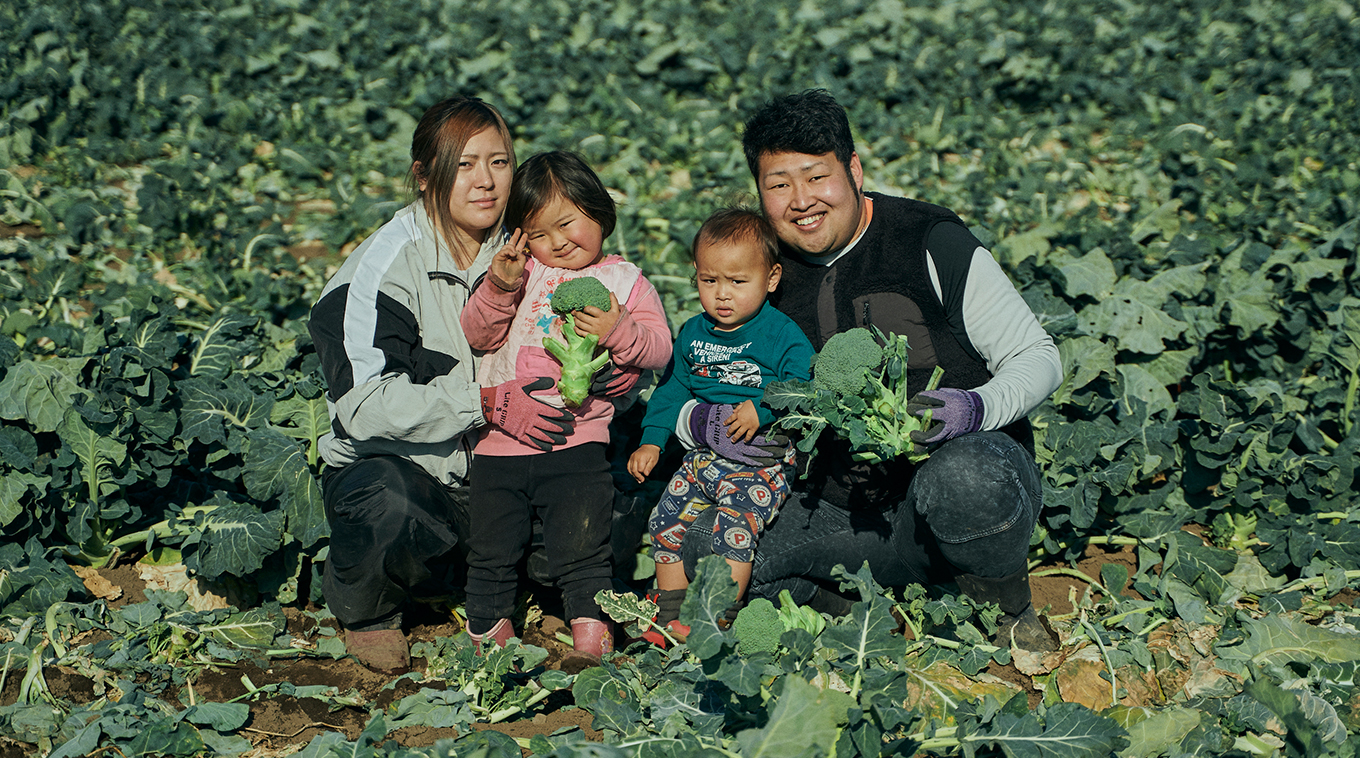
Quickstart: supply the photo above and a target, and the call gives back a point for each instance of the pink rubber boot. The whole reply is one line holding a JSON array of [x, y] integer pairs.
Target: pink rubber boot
[[500, 634], [592, 636]]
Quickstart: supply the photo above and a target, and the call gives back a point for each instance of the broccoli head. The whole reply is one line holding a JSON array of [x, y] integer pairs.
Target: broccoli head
[[846, 361], [758, 627], [576, 294]]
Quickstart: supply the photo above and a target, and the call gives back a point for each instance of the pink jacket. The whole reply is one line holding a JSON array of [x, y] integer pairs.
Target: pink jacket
[[513, 325]]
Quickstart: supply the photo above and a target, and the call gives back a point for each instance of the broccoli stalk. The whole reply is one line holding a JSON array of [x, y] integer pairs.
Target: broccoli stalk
[[578, 359], [888, 422], [577, 355]]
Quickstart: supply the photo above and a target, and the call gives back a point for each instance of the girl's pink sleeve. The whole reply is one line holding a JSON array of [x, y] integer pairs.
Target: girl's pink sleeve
[[488, 314], [641, 338]]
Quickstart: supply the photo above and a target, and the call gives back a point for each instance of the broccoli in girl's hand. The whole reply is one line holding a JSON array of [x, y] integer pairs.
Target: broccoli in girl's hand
[[577, 354], [581, 292]]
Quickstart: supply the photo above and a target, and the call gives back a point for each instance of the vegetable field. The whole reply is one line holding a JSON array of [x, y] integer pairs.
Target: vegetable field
[[1174, 187]]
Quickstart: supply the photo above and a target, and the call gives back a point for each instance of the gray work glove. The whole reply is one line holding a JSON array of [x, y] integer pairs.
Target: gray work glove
[[707, 428]]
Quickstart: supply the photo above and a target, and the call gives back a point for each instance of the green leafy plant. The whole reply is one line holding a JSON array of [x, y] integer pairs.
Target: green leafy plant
[[1178, 204]]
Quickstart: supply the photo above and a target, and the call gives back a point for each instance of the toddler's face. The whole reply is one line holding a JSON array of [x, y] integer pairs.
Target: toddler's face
[[733, 280], [562, 235]]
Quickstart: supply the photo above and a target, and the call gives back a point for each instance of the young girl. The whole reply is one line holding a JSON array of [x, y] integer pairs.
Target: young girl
[[561, 214]]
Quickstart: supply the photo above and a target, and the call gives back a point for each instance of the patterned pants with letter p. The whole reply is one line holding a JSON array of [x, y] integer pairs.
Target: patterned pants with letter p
[[747, 499]]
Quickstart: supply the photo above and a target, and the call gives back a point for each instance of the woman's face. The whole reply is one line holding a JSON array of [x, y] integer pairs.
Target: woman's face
[[483, 185]]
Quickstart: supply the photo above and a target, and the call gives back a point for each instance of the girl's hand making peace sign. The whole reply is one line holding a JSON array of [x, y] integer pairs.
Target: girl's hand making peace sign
[[507, 268]]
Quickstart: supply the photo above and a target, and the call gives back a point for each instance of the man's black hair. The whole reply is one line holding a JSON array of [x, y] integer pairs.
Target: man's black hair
[[810, 122]]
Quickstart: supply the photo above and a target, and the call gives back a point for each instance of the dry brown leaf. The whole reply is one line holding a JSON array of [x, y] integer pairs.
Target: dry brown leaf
[[175, 578], [1031, 663], [97, 585], [1208, 680], [1141, 688], [1204, 637], [939, 688], [1079, 680]]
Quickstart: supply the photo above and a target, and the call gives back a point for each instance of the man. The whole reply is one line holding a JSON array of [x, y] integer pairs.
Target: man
[[855, 259]]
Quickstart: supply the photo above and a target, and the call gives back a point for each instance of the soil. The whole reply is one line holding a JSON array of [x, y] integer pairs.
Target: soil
[[22, 230], [1052, 592], [279, 726]]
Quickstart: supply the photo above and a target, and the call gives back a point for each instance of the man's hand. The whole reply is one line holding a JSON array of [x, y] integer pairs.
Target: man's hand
[[642, 461], [744, 422], [507, 267], [510, 407], [953, 412], [707, 428]]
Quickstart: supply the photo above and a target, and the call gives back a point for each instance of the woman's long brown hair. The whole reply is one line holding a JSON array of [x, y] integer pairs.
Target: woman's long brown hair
[[436, 148]]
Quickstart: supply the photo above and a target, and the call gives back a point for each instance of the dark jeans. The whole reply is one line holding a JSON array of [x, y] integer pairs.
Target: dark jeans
[[389, 520], [573, 492], [970, 509]]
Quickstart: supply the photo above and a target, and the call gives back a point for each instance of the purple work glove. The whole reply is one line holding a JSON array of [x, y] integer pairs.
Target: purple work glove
[[614, 381], [707, 428], [526, 418], [953, 412]]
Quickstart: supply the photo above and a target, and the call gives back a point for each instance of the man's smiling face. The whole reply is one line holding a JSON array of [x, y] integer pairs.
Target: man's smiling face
[[815, 206]]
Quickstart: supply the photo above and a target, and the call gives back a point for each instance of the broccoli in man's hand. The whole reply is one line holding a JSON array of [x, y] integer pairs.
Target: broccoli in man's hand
[[846, 362], [859, 390], [578, 354]]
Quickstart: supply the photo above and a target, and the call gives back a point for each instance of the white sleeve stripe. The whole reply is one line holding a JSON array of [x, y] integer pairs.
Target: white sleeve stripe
[[361, 308], [682, 425]]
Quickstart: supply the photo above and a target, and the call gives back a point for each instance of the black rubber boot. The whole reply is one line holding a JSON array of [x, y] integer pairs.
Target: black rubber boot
[[1019, 625], [668, 604], [831, 603]]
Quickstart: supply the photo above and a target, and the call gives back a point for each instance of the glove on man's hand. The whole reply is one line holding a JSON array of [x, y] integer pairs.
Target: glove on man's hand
[[614, 381], [707, 428], [953, 412], [526, 418]]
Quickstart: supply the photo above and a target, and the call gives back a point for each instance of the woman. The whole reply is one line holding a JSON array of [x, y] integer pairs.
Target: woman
[[401, 393]]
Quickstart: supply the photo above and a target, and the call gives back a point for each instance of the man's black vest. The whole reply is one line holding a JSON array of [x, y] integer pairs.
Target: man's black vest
[[884, 281]]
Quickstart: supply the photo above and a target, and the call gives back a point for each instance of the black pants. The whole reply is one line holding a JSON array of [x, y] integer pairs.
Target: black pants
[[572, 491], [970, 509], [389, 520]]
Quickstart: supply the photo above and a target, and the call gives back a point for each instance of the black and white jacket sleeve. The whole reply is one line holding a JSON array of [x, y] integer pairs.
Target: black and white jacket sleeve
[[400, 375]]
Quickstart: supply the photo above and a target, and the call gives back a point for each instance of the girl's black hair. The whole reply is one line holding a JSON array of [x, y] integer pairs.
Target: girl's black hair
[[810, 122], [558, 173]]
